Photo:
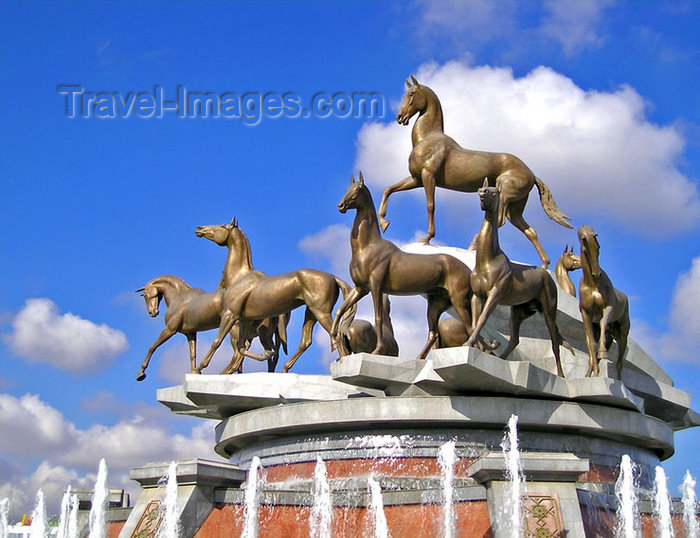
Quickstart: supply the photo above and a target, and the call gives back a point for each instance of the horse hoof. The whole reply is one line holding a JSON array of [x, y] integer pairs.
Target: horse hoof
[[141, 376], [383, 224]]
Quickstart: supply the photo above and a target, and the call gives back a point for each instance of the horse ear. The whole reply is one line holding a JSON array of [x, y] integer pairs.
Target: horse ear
[[362, 180], [140, 290], [408, 84], [415, 82], [234, 222], [486, 183], [352, 179]]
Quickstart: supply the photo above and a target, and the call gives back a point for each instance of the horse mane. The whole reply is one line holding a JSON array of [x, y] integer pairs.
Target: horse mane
[[172, 280], [244, 237], [432, 95]]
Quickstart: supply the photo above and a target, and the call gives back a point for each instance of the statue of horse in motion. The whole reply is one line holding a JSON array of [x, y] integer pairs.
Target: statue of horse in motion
[[604, 309], [438, 161], [496, 280], [190, 310], [255, 296], [379, 267], [567, 262], [272, 331]]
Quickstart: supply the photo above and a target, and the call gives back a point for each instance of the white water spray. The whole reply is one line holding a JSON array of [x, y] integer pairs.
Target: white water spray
[[447, 458], [628, 521], [73, 517], [38, 528], [512, 519], [690, 520], [65, 514], [376, 507], [662, 505], [322, 509], [4, 509], [170, 528], [252, 499], [100, 499]]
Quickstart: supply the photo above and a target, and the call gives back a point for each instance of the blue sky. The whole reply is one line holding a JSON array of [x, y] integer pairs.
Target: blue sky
[[599, 98]]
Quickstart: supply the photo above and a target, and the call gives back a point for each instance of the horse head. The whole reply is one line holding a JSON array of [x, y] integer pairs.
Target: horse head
[[152, 296], [218, 233], [489, 196], [414, 101], [352, 194], [590, 249], [569, 260]]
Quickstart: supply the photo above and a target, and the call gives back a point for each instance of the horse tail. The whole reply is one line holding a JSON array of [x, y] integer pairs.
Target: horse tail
[[349, 316], [549, 205]]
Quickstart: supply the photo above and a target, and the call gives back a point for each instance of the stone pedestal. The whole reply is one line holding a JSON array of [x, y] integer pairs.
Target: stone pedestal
[[197, 482]]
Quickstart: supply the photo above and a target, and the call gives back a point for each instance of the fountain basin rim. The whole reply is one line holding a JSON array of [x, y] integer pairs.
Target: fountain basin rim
[[441, 412]]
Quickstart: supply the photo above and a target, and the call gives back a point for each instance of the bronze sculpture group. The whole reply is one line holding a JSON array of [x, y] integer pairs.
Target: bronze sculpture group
[[248, 304]]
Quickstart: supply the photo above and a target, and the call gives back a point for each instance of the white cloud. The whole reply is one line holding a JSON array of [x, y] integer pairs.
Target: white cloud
[[573, 24], [32, 429], [42, 334], [509, 27], [331, 244], [681, 341], [595, 150]]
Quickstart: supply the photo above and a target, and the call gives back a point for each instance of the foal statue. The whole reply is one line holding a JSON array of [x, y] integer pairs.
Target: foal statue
[[496, 280], [604, 309]]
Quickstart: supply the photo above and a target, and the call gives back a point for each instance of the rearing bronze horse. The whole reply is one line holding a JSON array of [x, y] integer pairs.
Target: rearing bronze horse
[[438, 161]]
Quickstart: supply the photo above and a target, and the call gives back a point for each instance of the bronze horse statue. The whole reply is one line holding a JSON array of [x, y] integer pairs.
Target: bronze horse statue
[[567, 262], [379, 267], [438, 161], [254, 297], [604, 309], [361, 337], [190, 310], [239, 263], [496, 280]]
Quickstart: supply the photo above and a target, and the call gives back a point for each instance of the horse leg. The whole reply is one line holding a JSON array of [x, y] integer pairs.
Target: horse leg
[[192, 342], [624, 329], [436, 306], [307, 331], [488, 308], [355, 295], [378, 302], [518, 314], [515, 215], [429, 186], [163, 337], [228, 320], [550, 318], [588, 328], [604, 322], [405, 184]]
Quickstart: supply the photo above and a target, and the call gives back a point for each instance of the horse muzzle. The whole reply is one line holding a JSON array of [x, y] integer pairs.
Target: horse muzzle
[[153, 313], [402, 119], [342, 207], [199, 231]]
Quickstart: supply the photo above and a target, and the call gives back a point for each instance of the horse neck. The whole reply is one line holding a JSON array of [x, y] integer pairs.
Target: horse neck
[[430, 118], [170, 287], [238, 261], [587, 270], [365, 228], [562, 273], [488, 246]]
